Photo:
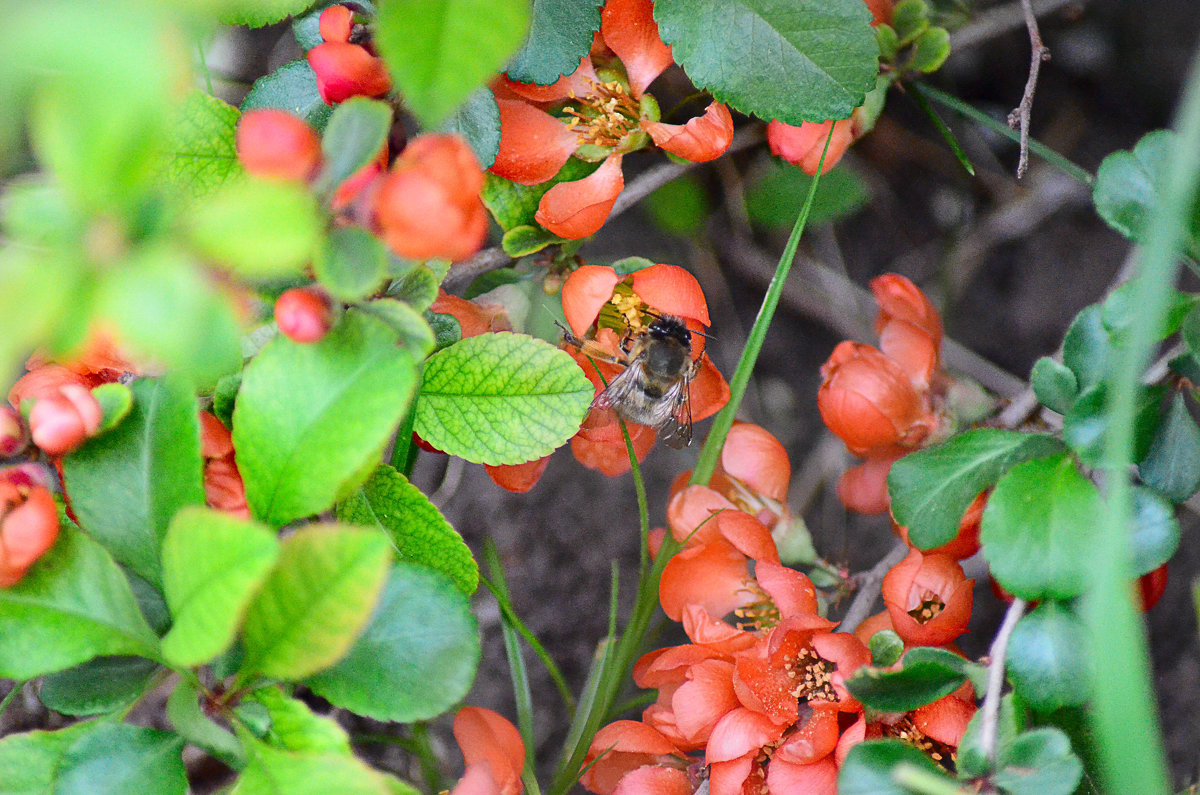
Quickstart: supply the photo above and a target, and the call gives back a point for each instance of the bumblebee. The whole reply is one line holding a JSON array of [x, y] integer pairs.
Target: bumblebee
[[654, 387]]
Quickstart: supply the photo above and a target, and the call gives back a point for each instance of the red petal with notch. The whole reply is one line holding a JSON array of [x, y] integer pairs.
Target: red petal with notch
[[630, 31], [672, 290], [702, 139], [533, 144], [578, 83], [584, 294], [578, 209]]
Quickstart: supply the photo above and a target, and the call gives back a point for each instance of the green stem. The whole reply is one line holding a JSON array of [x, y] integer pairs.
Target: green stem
[[430, 769], [639, 485], [10, 696], [1123, 697], [1037, 147]]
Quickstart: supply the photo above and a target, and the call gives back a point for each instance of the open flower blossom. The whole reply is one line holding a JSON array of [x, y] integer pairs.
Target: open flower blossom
[[928, 599], [885, 402], [28, 525], [493, 752], [344, 67], [599, 115]]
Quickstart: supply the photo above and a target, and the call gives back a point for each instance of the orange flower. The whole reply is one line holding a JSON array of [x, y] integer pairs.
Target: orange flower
[[909, 327], [100, 362], [276, 145], [344, 69], [622, 747], [863, 488], [28, 527], [428, 204], [928, 598], [493, 751], [61, 421], [803, 146], [869, 402], [695, 690]]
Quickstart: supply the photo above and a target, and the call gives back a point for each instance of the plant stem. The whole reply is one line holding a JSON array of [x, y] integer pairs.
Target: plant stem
[[10, 696], [426, 757], [639, 486]]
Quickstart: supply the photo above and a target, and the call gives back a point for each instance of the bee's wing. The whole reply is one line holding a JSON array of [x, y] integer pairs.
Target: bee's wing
[[676, 429], [620, 386]]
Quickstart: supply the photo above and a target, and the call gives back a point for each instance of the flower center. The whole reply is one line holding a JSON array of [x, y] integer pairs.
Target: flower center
[[813, 676], [761, 614], [604, 116], [907, 731], [928, 609]]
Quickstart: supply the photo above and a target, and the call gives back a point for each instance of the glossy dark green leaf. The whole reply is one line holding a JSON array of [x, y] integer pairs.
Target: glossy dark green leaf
[[357, 129], [310, 419], [1087, 347], [117, 759], [1054, 384], [419, 532], [404, 667], [926, 674], [291, 87], [127, 484], [797, 60], [560, 33], [97, 686], [1039, 762], [1037, 529], [1046, 660], [878, 767], [351, 263], [1172, 466], [931, 488], [446, 329], [1155, 534], [478, 122], [1085, 423]]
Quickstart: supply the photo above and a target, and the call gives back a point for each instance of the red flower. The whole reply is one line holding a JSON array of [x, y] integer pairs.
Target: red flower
[[28, 527], [13, 435], [909, 327], [493, 751], [100, 362], [869, 402], [1151, 587], [276, 145], [622, 747], [928, 599], [62, 420], [803, 146], [223, 487], [343, 69], [428, 204], [303, 315]]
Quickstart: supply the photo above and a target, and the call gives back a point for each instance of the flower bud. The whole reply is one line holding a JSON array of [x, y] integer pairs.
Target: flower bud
[[61, 421], [277, 145], [1151, 587], [428, 205], [802, 146], [347, 70], [868, 400], [336, 23], [928, 598], [302, 315], [13, 436], [28, 527]]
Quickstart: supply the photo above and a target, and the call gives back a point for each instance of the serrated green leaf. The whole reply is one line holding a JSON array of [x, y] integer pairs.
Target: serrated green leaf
[[419, 532], [1155, 530], [1054, 384], [256, 228], [1037, 529], [357, 129], [315, 601], [521, 241], [291, 87], [870, 767], [29, 762], [275, 772], [404, 667], [477, 121], [439, 51], [188, 719], [1128, 186], [931, 488], [351, 263], [926, 674], [212, 565], [73, 605], [560, 33], [117, 759], [116, 401], [97, 686], [1046, 661], [127, 484], [408, 323], [200, 154], [260, 13], [501, 399], [1172, 466], [797, 60], [773, 200], [1039, 762], [310, 418], [515, 205]]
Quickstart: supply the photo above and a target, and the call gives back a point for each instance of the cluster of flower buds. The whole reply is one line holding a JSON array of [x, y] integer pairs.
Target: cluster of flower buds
[[599, 113], [760, 700]]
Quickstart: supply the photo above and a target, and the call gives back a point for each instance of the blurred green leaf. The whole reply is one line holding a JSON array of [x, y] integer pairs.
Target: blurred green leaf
[[930, 50], [357, 129], [295, 727], [1087, 347], [29, 762], [1039, 762], [116, 401], [870, 768], [307, 26], [97, 686], [291, 87], [351, 263], [1155, 535], [1045, 658], [260, 13], [1085, 424], [200, 152], [774, 199], [886, 648], [1172, 465], [478, 122], [411, 326], [560, 34], [523, 240], [37, 292], [1054, 384], [910, 18], [188, 719], [271, 771], [117, 759], [1119, 312], [680, 206], [972, 756]]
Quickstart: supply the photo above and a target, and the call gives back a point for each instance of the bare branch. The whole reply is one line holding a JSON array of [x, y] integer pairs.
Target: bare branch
[[1020, 116], [1000, 20], [991, 700], [868, 588]]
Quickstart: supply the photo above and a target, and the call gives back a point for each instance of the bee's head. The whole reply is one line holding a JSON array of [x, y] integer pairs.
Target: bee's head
[[669, 327]]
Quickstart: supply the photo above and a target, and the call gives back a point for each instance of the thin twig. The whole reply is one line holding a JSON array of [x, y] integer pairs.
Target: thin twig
[[864, 598], [1000, 20], [995, 682], [1020, 116]]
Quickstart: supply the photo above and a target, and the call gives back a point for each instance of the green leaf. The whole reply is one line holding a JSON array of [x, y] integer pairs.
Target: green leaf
[[29, 762], [560, 33], [1155, 535], [446, 329], [1087, 347], [515, 205], [310, 418], [972, 756], [294, 727], [871, 766], [225, 397], [1086, 422], [212, 565], [357, 129], [201, 152], [501, 399], [73, 605], [478, 122], [1129, 185], [439, 51], [116, 401], [260, 13], [1054, 384], [419, 532], [416, 284], [104, 684], [886, 648], [930, 50], [291, 87], [315, 601], [796, 60], [1045, 659], [931, 488], [1172, 466], [189, 720], [119, 759], [127, 484], [404, 667], [773, 200], [1037, 527], [351, 263], [256, 228], [523, 240], [275, 772], [1039, 762], [680, 206], [910, 18], [1119, 312], [926, 675], [414, 331]]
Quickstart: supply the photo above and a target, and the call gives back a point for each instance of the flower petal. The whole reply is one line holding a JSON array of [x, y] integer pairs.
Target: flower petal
[[517, 478], [578, 83], [671, 290], [630, 31], [802, 146], [702, 139], [533, 144], [487, 736], [654, 781], [584, 294], [756, 458], [578, 209]]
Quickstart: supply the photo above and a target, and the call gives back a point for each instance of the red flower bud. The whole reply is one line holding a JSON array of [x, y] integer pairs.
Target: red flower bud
[[347, 70], [868, 400], [28, 527], [13, 436], [303, 315], [335, 23], [428, 205], [61, 421], [1151, 587], [802, 146], [277, 145]]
